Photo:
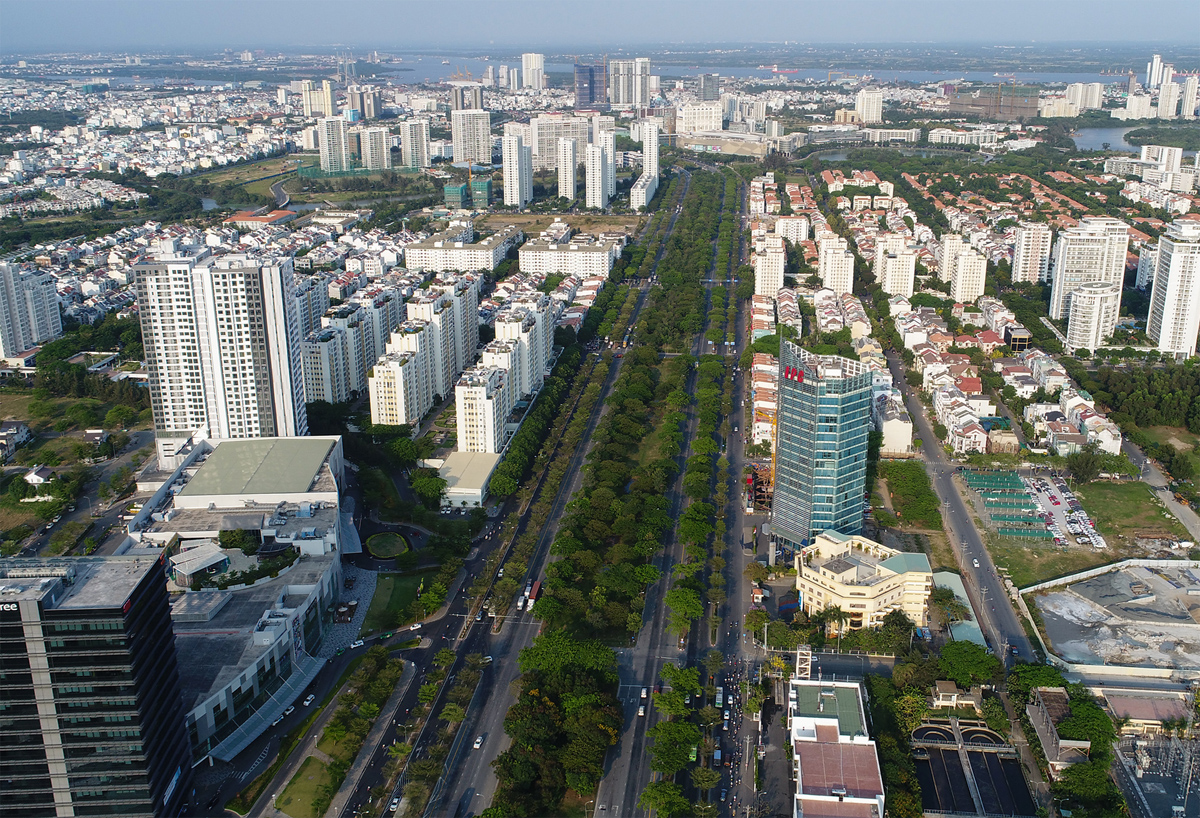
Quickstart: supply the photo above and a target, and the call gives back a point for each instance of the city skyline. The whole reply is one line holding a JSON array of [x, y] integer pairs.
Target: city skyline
[[194, 24]]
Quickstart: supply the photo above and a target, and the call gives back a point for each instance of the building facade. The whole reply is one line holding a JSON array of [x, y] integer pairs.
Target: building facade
[[1175, 297], [1092, 251], [471, 133], [835, 264], [29, 311], [1094, 311], [334, 143], [970, 270], [868, 105], [1031, 253], [414, 143], [567, 165], [518, 171]]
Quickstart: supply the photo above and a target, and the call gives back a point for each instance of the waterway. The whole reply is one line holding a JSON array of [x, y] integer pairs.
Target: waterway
[[1093, 139]]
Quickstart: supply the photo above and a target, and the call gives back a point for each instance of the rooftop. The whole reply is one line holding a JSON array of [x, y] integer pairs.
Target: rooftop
[[261, 466], [81, 583], [828, 701], [825, 768]]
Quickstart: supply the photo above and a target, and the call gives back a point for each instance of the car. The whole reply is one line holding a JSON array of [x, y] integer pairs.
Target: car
[[726, 727], [724, 794], [291, 709], [309, 699], [416, 626], [975, 563], [479, 616], [729, 699], [641, 711], [687, 699], [645, 691], [358, 643], [478, 742], [276, 722], [1015, 652], [395, 805], [500, 574], [727, 715], [487, 660], [387, 635]]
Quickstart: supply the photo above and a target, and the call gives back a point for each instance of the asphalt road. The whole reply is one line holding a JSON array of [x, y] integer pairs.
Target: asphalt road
[[994, 612]]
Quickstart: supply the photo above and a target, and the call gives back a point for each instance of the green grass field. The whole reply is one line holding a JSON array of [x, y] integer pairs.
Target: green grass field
[[393, 594], [1029, 564], [386, 545], [1128, 510], [1181, 439], [297, 797]]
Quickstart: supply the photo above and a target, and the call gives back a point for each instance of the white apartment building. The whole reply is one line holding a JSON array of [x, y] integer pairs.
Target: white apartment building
[[518, 171], [530, 325], [770, 260], [1187, 107], [414, 143], [1147, 263], [325, 372], [376, 149], [595, 182], [895, 264], [1031, 252], [29, 311], [1093, 250], [701, 116], [567, 165], [317, 102], [1095, 307], [1168, 100], [646, 186], [792, 228], [949, 136], [545, 131], [533, 71], [1086, 96], [952, 244], [1175, 299], [399, 389], [223, 346], [334, 142], [312, 300], [471, 133], [629, 82], [462, 293], [1168, 159], [608, 142], [970, 268], [449, 251], [835, 265], [577, 259], [441, 349], [482, 401], [350, 321], [868, 105]]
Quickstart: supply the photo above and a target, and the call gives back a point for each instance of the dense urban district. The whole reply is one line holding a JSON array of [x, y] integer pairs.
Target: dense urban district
[[598, 437]]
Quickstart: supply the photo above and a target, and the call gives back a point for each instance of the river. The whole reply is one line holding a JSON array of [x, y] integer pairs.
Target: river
[[1093, 139]]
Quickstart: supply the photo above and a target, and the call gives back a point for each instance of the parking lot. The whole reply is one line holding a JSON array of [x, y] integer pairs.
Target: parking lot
[[1064, 515]]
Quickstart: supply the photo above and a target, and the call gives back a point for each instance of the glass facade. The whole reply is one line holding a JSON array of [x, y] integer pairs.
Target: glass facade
[[821, 445], [91, 717]]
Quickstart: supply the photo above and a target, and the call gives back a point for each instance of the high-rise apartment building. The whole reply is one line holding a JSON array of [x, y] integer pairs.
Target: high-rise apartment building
[[1168, 158], [334, 142], [608, 141], [823, 421], [471, 133], [868, 105], [223, 346], [1168, 100], [646, 186], [701, 116], [1086, 95], [1154, 71], [895, 264], [629, 82], [1031, 253], [1093, 250], [770, 261], [1095, 307], [709, 89], [1147, 263], [29, 311], [970, 269], [414, 143], [595, 188], [546, 129], [567, 166], [93, 707], [482, 402], [465, 95], [591, 85], [952, 244], [317, 101], [1187, 108], [518, 171], [1174, 319], [376, 149], [533, 71], [835, 264], [365, 100]]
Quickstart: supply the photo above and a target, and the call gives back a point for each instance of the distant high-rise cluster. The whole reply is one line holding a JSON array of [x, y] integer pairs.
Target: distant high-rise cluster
[[28, 310], [471, 132], [629, 82], [533, 71]]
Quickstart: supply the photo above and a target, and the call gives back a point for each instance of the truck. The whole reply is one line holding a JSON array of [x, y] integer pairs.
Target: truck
[[720, 696], [535, 591]]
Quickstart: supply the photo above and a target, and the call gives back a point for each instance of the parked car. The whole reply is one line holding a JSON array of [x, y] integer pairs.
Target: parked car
[[309, 699], [358, 643]]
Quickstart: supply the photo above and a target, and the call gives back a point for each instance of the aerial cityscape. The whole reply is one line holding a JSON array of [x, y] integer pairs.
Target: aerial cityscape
[[778, 410]]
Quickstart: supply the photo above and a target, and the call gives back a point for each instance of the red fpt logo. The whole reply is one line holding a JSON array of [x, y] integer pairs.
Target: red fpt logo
[[793, 373]]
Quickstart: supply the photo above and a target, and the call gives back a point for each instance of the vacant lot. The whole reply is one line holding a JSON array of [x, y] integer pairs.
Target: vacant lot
[[250, 172], [1128, 510], [1028, 564], [1179, 438], [298, 796], [533, 223], [393, 594]]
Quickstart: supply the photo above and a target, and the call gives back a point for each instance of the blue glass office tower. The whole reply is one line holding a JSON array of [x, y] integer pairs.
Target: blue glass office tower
[[821, 445]]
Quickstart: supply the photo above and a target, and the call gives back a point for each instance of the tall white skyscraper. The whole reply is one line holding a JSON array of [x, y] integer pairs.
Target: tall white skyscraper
[[895, 264], [970, 269], [568, 163], [1093, 250], [835, 264], [376, 149], [595, 184], [29, 311], [471, 133], [629, 82], [1168, 100], [770, 261], [533, 71], [1174, 319], [952, 244], [1187, 108], [1031, 253], [223, 346], [1154, 71], [518, 171], [608, 141], [414, 143], [332, 138], [1095, 307], [316, 101], [650, 147], [1086, 95], [869, 105]]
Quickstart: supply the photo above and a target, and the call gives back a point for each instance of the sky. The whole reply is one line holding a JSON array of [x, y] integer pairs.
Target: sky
[[28, 26]]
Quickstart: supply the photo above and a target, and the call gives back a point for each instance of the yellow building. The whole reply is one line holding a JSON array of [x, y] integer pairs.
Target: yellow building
[[863, 578]]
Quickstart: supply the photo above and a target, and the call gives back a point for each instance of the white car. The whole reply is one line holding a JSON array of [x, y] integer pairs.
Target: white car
[[416, 626], [356, 644], [478, 742], [644, 690], [310, 699], [975, 563], [641, 711], [395, 805]]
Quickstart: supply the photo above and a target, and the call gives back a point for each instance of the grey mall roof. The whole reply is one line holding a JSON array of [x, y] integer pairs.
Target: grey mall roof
[[261, 466]]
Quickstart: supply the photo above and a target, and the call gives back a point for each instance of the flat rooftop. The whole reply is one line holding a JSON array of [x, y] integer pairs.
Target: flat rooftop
[[829, 701], [826, 767], [87, 582], [290, 465], [468, 471]]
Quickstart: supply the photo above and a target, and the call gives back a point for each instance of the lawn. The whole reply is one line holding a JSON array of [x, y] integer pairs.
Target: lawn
[[386, 545], [1178, 437], [298, 796], [393, 594], [1128, 510], [251, 171], [1029, 564]]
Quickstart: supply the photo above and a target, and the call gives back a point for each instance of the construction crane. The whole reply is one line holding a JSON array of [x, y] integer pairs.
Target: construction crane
[[461, 74]]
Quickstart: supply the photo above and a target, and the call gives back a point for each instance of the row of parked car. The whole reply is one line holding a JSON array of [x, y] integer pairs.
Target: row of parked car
[[1079, 525]]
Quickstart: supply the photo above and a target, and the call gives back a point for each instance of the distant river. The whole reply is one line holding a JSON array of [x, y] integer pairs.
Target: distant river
[[1093, 139]]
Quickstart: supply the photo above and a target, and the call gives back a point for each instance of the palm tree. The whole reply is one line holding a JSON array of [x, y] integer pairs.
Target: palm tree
[[835, 616]]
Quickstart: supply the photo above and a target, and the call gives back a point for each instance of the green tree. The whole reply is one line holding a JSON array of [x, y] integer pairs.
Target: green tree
[[685, 607], [911, 708], [705, 778], [673, 741], [755, 621], [664, 798], [453, 713], [1084, 464], [966, 663], [683, 679], [444, 657]]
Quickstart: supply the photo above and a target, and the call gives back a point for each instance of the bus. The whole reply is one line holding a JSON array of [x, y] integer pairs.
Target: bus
[[720, 696]]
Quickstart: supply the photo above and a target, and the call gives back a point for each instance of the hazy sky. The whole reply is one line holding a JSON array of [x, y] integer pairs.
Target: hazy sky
[[399, 25]]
